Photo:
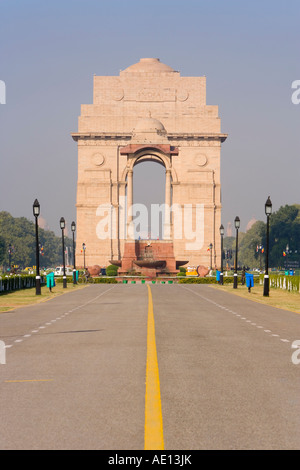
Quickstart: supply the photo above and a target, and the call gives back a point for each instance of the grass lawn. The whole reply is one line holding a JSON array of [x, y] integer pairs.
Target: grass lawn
[[21, 298], [277, 298]]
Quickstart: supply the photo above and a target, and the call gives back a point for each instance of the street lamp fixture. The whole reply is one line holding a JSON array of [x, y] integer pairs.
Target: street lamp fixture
[[268, 207], [36, 213], [237, 224], [36, 208], [73, 228], [268, 211], [222, 231], [62, 224]]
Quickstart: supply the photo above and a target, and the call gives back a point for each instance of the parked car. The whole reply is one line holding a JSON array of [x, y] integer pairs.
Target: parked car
[[59, 271], [29, 270]]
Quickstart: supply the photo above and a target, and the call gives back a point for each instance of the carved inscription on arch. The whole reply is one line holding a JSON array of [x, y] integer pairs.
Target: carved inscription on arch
[[151, 94]]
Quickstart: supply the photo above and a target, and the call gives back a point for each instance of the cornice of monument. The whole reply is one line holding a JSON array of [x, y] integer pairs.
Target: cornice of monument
[[196, 136], [101, 135], [128, 136], [135, 148]]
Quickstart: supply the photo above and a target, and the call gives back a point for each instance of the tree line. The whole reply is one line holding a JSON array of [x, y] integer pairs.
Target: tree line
[[18, 244], [17, 236], [284, 241]]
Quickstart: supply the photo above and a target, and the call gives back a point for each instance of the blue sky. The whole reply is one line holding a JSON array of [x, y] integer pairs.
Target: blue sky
[[249, 52]]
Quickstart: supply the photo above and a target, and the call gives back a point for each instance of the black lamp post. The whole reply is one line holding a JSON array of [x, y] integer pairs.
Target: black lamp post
[[268, 211], [9, 256], [237, 224], [222, 231], [62, 226], [210, 249], [36, 213], [83, 249], [73, 228]]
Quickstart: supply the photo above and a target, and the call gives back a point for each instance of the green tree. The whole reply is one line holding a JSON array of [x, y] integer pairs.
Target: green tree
[[20, 233], [248, 254], [285, 231], [229, 246], [2, 249]]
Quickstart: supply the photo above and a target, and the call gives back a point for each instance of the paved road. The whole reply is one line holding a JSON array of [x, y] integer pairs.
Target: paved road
[[75, 371]]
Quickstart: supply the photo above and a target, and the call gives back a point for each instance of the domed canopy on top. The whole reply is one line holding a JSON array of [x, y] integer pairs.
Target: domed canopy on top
[[149, 124], [149, 65]]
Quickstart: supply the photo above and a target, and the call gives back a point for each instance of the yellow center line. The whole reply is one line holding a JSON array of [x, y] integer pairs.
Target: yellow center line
[[153, 415]]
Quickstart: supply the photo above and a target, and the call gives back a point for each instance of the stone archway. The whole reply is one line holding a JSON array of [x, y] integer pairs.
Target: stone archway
[[161, 154], [149, 184], [149, 109]]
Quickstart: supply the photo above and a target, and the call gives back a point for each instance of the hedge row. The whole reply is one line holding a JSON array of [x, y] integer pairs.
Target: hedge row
[[96, 280], [211, 280], [17, 282], [205, 280]]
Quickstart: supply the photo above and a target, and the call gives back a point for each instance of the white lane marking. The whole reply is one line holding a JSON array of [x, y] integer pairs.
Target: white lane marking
[[59, 318], [238, 315]]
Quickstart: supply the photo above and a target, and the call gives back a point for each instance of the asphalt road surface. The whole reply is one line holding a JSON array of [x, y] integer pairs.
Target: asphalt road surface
[[75, 372]]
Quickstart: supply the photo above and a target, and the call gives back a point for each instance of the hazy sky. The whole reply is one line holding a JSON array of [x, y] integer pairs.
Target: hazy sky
[[249, 52]]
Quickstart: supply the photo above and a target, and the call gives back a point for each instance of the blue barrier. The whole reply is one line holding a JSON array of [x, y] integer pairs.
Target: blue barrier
[[50, 279], [249, 280]]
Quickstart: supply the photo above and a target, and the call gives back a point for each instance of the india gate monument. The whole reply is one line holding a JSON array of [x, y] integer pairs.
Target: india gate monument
[[149, 112]]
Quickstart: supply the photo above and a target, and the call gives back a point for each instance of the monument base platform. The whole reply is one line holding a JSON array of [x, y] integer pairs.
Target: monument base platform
[[149, 258]]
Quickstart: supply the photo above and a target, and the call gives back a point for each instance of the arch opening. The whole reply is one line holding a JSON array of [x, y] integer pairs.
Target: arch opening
[[149, 185]]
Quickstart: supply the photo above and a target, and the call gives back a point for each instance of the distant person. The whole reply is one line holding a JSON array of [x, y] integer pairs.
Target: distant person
[[87, 274]]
